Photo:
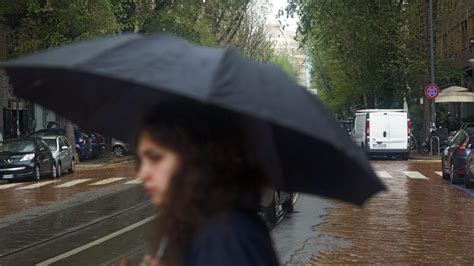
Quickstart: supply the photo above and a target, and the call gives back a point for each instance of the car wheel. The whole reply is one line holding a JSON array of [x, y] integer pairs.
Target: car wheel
[[37, 173], [73, 166], [454, 177], [118, 150], [54, 171], [445, 176], [59, 170]]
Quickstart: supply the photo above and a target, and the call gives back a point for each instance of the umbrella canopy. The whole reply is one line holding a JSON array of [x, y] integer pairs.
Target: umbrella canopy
[[107, 84]]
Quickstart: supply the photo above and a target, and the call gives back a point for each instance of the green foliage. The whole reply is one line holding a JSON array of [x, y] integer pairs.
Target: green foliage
[[284, 63], [183, 20], [41, 24], [366, 53], [37, 26]]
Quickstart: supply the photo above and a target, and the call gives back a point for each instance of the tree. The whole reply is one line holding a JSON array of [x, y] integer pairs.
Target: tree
[[44, 24], [284, 63]]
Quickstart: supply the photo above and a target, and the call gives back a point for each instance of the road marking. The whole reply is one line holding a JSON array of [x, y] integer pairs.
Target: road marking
[[134, 181], [40, 184], [74, 182], [414, 175], [439, 173], [96, 242], [7, 186], [107, 181], [383, 174]]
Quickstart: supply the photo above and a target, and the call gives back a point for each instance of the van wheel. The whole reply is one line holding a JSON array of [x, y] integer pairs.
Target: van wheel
[[405, 156]]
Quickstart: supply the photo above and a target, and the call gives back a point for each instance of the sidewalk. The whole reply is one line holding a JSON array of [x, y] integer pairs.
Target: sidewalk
[[104, 161]]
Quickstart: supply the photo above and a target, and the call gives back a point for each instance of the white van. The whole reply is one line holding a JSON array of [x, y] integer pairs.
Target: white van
[[382, 132]]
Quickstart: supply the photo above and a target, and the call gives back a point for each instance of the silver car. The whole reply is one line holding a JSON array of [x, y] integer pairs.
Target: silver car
[[119, 147], [62, 153]]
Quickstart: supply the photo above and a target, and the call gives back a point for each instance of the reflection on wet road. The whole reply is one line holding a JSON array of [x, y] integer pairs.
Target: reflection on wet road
[[420, 219]]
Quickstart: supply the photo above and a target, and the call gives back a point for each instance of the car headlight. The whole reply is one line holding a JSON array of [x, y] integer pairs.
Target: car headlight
[[28, 157]]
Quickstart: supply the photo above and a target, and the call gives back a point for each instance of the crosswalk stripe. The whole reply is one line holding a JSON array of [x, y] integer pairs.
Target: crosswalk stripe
[[414, 175], [439, 173], [134, 181], [74, 182], [7, 186], [107, 181], [383, 174], [37, 185]]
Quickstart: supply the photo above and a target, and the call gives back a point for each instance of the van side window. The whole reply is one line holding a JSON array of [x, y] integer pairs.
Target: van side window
[[360, 122]]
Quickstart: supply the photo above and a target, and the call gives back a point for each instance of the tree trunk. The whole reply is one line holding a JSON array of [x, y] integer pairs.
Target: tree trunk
[[71, 138]]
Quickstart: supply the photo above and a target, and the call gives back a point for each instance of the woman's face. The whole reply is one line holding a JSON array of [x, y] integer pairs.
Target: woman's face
[[157, 165]]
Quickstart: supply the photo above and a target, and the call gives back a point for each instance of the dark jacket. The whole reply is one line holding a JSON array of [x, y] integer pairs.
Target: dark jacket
[[236, 238]]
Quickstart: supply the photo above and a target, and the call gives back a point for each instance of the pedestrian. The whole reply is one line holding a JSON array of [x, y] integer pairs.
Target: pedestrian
[[196, 168]]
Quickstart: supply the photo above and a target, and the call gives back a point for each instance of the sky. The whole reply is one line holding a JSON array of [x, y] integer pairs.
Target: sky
[[281, 4]]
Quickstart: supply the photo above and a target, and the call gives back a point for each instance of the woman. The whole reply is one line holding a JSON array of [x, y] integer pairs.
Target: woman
[[196, 168]]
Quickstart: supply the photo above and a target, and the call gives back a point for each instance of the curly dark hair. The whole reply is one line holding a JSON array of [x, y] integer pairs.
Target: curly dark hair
[[216, 174]]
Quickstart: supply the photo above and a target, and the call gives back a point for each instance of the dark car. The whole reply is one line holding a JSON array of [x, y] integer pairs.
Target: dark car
[[347, 125], [97, 143], [83, 143], [26, 158], [454, 159]]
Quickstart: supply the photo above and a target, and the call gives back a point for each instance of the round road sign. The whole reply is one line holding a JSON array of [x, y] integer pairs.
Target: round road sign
[[432, 91]]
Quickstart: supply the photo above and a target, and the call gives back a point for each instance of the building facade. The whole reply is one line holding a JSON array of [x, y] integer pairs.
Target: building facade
[[18, 117], [455, 40], [285, 44], [455, 35]]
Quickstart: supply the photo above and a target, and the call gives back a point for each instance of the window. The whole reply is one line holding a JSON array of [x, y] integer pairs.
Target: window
[[61, 142]]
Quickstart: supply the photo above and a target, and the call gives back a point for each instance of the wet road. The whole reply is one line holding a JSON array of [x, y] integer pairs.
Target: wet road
[[420, 219], [21, 196]]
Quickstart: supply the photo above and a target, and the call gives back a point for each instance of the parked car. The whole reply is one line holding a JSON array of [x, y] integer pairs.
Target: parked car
[[62, 153], [119, 147], [454, 159], [83, 144], [275, 203], [469, 176], [26, 158], [382, 132], [346, 125], [97, 143]]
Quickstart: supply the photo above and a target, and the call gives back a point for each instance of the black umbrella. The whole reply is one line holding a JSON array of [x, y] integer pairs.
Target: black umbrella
[[107, 84]]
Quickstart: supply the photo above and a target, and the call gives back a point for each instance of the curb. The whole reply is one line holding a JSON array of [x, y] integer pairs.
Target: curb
[[101, 165]]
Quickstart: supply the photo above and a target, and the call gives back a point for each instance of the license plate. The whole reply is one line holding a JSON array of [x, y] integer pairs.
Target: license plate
[[8, 176], [380, 145]]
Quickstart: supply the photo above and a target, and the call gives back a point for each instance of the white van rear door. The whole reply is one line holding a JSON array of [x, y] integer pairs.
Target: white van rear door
[[378, 131], [398, 131]]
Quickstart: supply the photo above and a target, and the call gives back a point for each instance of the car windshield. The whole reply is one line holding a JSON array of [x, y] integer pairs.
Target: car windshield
[[52, 144], [17, 146]]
